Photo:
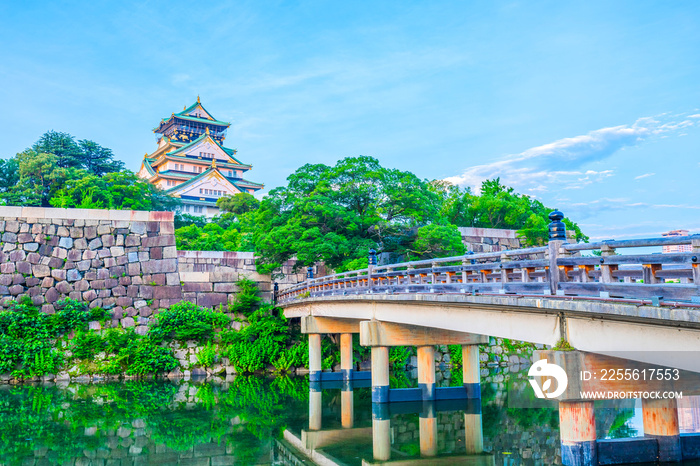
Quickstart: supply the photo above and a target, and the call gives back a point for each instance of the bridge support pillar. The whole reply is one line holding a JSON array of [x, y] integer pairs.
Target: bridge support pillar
[[427, 431], [346, 355], [380, 374], [471, 372], [315, 406], [315, 357], [578, 435], [661, 422], [347, 407], [473, 433], [381, 439], [426, 372]]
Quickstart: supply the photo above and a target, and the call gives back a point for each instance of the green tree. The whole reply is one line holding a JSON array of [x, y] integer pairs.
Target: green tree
[[335, 214], [98, 160], [436, 240], [63, 146], [238, 204]]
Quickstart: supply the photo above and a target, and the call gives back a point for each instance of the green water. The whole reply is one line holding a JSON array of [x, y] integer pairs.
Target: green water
[[253, 420]]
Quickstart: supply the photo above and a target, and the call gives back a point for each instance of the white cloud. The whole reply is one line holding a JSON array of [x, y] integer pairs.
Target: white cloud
[[646, 175], [562, 161]]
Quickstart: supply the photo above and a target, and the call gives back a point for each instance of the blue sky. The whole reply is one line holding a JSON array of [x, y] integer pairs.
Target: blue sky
[[593, 107]]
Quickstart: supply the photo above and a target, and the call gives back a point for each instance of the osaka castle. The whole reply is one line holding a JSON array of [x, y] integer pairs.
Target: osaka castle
[[191, 162]]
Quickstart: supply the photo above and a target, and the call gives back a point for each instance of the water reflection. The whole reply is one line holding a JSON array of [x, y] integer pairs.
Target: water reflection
[[256, 420]]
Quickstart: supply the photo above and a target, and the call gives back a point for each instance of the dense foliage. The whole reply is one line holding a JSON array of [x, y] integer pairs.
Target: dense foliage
[[57, 171]]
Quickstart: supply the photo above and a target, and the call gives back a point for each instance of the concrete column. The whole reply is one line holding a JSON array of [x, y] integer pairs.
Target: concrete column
[[315, 406], [426, 371], [427, 429], [381, 439], [347, 407], [346, 355], [473, 434], [661, 422], [471, 372], [577, 431], [315, 357], [380, 374]]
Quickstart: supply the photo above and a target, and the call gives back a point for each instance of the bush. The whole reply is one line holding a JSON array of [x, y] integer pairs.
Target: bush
[[207, 355], [187, 321], [72, 315], [247, 299], [86, 345]]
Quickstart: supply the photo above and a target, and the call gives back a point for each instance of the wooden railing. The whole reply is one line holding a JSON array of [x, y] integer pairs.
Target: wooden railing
[[673, 276]]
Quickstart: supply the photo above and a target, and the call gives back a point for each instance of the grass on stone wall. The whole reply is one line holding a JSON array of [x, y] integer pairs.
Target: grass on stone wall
[[35, 344]]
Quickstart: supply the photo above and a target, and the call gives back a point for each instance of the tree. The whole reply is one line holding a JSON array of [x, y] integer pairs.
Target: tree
[[336, 214], [238, 204], [39, 175], [98, 160], [63, 146], [436, 240]]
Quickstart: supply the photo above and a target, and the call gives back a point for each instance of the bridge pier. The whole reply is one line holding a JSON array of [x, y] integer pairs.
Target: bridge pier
[[660, 419], [315, 406], [428, 431], [346, 366], [471, 371], [315, 357], [578, 434], [347, 406], [380, 374], [426, 372]]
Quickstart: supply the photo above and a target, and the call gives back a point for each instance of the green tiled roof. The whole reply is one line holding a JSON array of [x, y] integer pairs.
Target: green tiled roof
[[187, 146]]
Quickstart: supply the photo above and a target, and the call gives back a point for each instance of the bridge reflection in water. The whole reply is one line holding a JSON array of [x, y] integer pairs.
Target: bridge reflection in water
[[374, 444]]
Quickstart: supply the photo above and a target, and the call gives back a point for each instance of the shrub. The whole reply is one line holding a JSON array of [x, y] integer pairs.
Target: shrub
[[247, 299], [259, 343], [86, 345], [207, 355], [72, 315], [187, 321]]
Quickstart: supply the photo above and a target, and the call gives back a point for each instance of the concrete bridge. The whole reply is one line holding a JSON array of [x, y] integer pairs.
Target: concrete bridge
[[618, 311]]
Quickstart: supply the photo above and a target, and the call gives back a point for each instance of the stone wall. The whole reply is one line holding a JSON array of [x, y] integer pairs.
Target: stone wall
[[121, 260], [209, 277], [489, 239]]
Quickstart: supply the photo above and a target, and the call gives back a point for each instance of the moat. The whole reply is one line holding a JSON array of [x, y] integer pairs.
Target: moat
[[257, 420]]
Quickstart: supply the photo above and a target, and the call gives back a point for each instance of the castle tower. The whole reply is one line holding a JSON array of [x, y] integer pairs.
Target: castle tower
[[192, 164]]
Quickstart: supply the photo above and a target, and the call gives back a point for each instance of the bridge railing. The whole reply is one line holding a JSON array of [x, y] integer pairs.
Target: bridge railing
[[671, 276]]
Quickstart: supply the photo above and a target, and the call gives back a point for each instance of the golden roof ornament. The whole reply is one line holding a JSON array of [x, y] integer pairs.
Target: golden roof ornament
[[213, 163], [198, 99], [207, 130]]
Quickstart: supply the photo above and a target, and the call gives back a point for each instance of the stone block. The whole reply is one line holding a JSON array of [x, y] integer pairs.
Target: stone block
[[33, 258], [25, 238], [74, 255], [212, 299], [31, 247], [76, 232], [73, 275], [47, 282], [41, 270], [127, 322], [125, 280], [103, 229], [119, 291], [124, 301], [172, 279], [89, 295], [8, 267], [146, 291], [16, 289], [167, 292], [141, 329], [104, 252], [95, 244], [225, 287], [133, 268], [83, 265], [89, 254], [116, 251], [158, 241], [17, 278], [90, 232], [80, 243], [132, 256], [197, 287], [81, 285], [8, 237], [139, 228], [156, 253], [170, 252], [48, 309], [66, 243], [17, 255], [12, 226], [111, 283], [159, 266], [58, 274], [64, 287], [54, 262]]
